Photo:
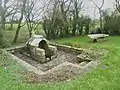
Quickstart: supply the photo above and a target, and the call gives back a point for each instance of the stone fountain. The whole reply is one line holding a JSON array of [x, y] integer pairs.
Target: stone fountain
[[54, 62], [40, 50]]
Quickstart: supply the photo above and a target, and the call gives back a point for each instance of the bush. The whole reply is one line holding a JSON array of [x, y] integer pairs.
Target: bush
[[3, 43], [97, 31], [111, 25], [1, 38]]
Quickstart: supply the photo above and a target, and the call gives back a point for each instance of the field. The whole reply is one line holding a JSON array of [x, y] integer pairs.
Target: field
[[105, 77], [23, 35]]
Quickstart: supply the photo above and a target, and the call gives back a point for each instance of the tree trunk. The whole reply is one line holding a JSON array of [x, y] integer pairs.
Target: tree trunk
[[2, 28], [87, 29], [101, 23], [74, 29], [19, 23], [17, 33], [30, 33], [18, 29], [2, 21], [80, 27], [11, 25], [2, 16]]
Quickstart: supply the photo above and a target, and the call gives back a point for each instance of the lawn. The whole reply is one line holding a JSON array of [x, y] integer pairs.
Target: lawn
[[105, 77], [23, 34]]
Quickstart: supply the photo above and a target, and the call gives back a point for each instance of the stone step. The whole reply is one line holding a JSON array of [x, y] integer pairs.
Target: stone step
[[27, 66], [83, 63], [90, 66], [13, 48], [64, 65]]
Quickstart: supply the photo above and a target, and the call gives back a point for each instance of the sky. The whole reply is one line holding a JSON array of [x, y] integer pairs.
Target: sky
[[108, 4], [90, 7]]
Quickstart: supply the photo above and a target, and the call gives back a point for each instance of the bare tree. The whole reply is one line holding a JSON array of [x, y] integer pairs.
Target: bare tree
[[7, 7], [32, 16], [64, 8], [12, 20], [77, 6], [56, 21], [1, 29], [22, 6], [117, 4], [2, 15], [100, 12]]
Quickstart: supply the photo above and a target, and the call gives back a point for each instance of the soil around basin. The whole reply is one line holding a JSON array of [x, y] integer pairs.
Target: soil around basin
[[60, 58]]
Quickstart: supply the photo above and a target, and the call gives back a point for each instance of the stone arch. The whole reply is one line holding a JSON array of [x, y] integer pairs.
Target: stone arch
[[43, 44]]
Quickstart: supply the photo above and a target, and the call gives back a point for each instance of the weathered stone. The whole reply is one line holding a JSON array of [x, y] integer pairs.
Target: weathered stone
[[82, 57], [66, 68], [96, 37], [39, 48], [69, 49], [83, 63], [39, 55], [26, 65], [53, 48], [90, 66]]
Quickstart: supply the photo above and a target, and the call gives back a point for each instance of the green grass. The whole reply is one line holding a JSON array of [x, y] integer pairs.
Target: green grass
[[9, 72], [107, 78], [23, 35], [84, 41]]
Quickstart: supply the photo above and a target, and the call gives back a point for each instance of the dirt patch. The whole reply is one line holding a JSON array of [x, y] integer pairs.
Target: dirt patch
[[62, 72], [61, 57]]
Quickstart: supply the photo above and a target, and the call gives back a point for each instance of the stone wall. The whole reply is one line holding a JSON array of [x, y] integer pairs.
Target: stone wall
[[38, 54], [69, 49]]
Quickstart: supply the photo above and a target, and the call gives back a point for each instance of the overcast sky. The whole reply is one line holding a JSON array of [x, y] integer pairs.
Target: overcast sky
[[109, 4], [89, 6]]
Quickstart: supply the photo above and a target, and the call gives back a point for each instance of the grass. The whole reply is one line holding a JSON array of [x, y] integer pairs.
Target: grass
[[9, 72], [23, 35], [105, 78]]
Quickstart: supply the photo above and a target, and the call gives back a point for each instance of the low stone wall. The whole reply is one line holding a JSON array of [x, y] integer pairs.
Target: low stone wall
[[38, 55], [27, 66], [14, 49], [69, 49], [53, 48]]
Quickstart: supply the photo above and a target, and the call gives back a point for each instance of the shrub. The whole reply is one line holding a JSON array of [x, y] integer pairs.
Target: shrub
[[3, 43], [111, 25]]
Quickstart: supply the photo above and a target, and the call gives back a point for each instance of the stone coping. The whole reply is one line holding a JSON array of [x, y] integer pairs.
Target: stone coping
[[25, 64], [69, 48]]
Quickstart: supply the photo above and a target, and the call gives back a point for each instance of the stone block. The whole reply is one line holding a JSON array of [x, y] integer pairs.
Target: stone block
[[53, 48], [81, 58], [39, 55]]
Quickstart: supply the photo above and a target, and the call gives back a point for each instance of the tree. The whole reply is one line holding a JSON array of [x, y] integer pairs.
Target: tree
[[22, 10], [7, 8], [64, 9], [1, 29], [100, 12], [32, 16], [57, 15], [111, 25], [117, 4], [87, 21], [53, 24], [76, 8]]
